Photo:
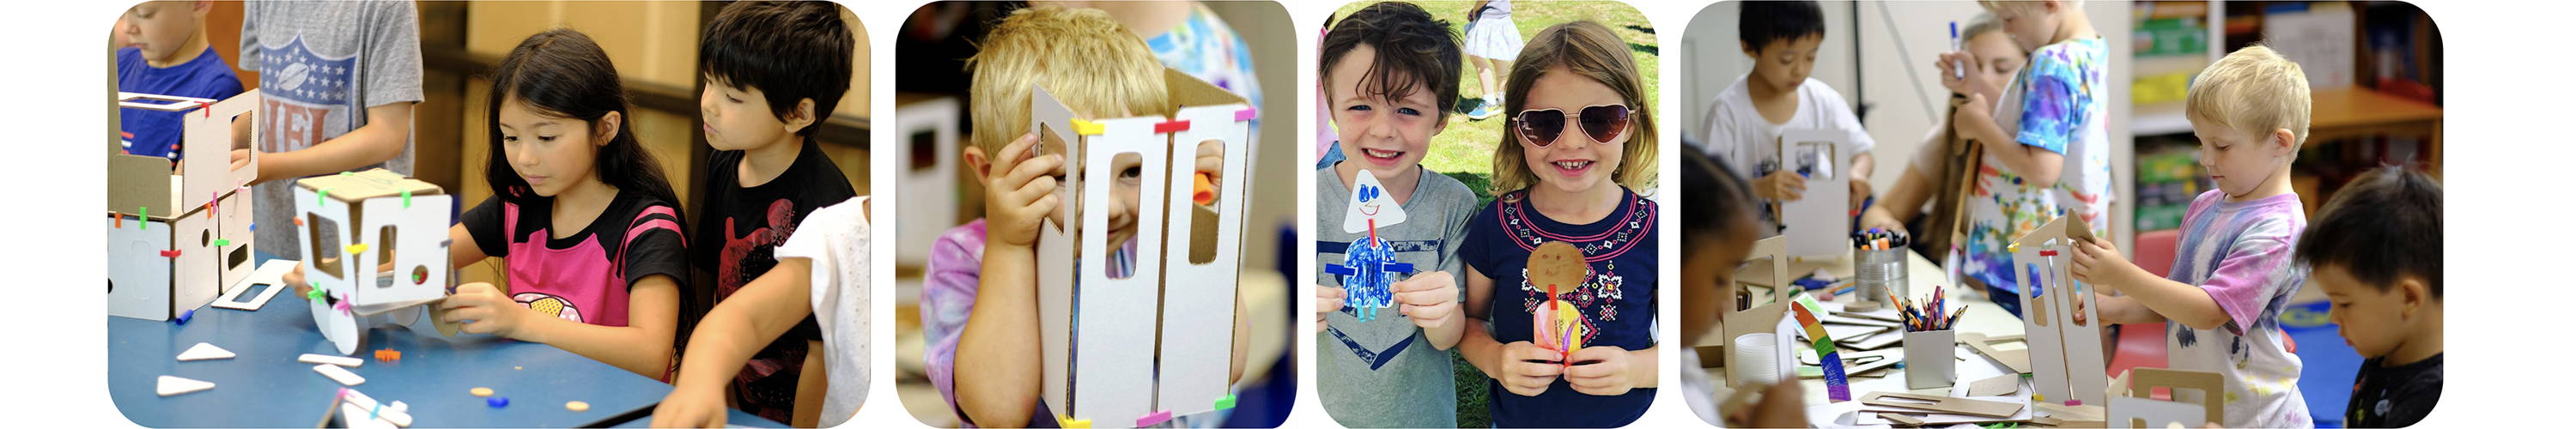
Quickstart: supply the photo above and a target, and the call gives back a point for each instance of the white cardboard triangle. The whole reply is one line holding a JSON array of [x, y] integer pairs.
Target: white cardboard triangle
[[1369, 200], [175, 385], [205, 351]]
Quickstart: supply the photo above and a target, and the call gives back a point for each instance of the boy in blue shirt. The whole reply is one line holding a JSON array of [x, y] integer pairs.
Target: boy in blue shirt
[[167, 55]]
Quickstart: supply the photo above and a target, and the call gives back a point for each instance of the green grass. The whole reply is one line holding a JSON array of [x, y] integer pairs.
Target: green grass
[[1465, 150]]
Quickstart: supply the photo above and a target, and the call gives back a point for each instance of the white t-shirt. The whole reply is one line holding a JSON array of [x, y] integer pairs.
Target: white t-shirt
[[835, 239], [1750, 144]]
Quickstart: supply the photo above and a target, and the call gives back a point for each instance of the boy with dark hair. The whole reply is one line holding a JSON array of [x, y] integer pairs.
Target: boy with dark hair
[[1389, 74], [1744, 123], [2377, 254], [773, 73]]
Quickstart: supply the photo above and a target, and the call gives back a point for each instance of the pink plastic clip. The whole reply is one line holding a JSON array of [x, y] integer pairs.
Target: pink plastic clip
[[1246, 114], [1154, 418]]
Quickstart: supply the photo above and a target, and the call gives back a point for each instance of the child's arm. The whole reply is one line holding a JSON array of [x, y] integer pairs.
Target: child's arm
[[388, 129], [2098, 263], [1522, 368], [1000, 340], [1861, 165], [1976, 121], [643, 346], [725, 340]]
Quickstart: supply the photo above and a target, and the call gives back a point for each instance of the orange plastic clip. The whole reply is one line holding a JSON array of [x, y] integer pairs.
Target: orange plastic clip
[[1204, 192]]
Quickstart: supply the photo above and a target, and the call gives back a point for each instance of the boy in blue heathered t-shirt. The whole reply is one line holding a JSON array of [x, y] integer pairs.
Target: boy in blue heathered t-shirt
[[167, 54]]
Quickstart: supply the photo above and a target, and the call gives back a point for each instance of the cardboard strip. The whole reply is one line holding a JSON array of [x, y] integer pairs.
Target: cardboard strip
[[1943, 404]]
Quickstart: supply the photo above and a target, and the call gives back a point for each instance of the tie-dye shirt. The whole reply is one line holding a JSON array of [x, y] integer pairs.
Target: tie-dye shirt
[[948, 299], [2239, 252], [2059, 103]]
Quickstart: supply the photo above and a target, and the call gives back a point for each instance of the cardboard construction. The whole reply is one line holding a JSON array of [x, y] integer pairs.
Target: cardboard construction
[[266, 282], [2066, 357], [375, 242], [1109, 376], [1942, 404], [2204, 387], [1818, 222], [1768, 317], [1998, 385], [178, 238], [2132, 412], [1939, 419]]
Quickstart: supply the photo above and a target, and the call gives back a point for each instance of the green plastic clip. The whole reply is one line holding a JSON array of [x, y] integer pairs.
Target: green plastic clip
[[1225, 403]]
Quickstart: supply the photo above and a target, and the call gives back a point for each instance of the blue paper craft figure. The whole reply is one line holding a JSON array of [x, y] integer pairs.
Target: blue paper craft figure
[[1368, 267]]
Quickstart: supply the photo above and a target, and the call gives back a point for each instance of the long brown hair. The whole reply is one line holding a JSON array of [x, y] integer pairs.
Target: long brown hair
[[1586, 49]]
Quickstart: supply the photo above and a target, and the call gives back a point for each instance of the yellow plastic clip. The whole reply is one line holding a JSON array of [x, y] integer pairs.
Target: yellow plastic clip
[[2013, 248], [1088, 128], [1069, 423], [357, 248]]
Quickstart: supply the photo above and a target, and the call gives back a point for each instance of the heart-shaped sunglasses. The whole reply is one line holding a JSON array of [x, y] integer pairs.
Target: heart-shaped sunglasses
[[1601, 123]]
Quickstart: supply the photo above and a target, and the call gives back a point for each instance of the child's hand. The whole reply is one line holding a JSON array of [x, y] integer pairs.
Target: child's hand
[[1878, 217], [1953, 79], [691, 407], [1019, 193], [2100, 264], [1527, 369], [295, 276], [485, 310], [1211, 162], [1783, 185], [1430, 299], [1328, 299], [1782, 406], [1599, 371], [1976, 111]]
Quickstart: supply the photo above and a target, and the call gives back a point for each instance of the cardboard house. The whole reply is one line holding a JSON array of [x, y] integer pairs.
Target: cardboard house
[[2066, 359], [375, 246], [1174, 312], [177, 238]]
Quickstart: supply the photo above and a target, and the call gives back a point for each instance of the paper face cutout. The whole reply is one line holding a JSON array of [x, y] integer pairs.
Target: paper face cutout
[[1370, 202], [1558, 267]]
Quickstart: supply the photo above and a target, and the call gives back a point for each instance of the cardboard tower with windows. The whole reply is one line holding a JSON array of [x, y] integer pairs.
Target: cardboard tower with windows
[[177, 238], [1103, 338]]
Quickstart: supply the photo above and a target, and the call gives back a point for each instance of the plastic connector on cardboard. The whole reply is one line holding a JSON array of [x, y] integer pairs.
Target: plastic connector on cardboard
[[1088, 128], [1227, 402], [1154, 418], [1069, 423], [1203, 191], [1246, 114], [1172, 126]]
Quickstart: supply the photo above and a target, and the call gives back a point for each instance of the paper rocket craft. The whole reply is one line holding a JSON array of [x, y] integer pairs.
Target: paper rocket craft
[[1368, 265]]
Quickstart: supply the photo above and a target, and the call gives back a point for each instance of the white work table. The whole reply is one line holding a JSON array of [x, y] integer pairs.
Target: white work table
[[1981, 315]]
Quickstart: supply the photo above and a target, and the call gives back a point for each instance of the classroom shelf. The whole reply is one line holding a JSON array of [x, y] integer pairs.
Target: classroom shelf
[[2159, 118]]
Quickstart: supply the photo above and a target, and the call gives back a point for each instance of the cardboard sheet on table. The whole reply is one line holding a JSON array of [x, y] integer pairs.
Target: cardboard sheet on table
[[1940, 418], [1760, 274], [1873, 342], [1853, 362], [1829, 415]]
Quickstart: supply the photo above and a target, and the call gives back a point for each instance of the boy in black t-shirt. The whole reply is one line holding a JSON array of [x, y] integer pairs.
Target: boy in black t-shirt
[[2377, 253], [773, 72]]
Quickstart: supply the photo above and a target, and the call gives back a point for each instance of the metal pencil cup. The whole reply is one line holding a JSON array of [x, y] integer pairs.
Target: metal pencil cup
[[1929, 357], [1879, 273]]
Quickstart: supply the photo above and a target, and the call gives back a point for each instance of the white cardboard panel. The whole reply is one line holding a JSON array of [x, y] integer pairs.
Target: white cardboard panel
[[210, 132], [1113, 355], [235, 259], [2156, 413], [1818, 221], [342, 328], [2039, 315], [193, 282], [939, 118], [1198, 313], [138, 277], [420, 243], [1055, 256]]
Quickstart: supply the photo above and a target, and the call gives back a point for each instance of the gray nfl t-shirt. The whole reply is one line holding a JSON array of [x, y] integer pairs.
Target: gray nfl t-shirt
[[321, 64], [1385, 373]]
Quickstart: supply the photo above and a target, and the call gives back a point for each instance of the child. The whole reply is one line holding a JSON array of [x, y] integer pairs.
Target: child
[[822, 272], [1745, 121], [2375, 252], [1099, 70], [1718, 227], [1390, 75], [1582, 136], [338, 80], [1999, 58], [2046, 151], [2233, 273], [169, 56], [1493, 41], [774, 71]]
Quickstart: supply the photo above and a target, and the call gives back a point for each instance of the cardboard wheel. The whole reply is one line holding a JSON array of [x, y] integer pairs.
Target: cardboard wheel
[[341, 328]]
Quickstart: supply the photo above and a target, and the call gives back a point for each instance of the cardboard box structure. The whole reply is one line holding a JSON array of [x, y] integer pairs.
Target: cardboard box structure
[[2065, 357], [1743, 317], [353, 224], [1818, 222], [177, 239], [2196, 399], [1109, 376]]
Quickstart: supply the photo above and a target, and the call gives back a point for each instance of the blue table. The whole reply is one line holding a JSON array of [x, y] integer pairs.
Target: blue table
[[264, 386]]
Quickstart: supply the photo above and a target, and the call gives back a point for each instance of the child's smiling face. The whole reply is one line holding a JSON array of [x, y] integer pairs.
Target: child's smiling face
[[551, 153], [1785, 63], [1386, 133], [1574, 162], [737, 118], [2240, 161]]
